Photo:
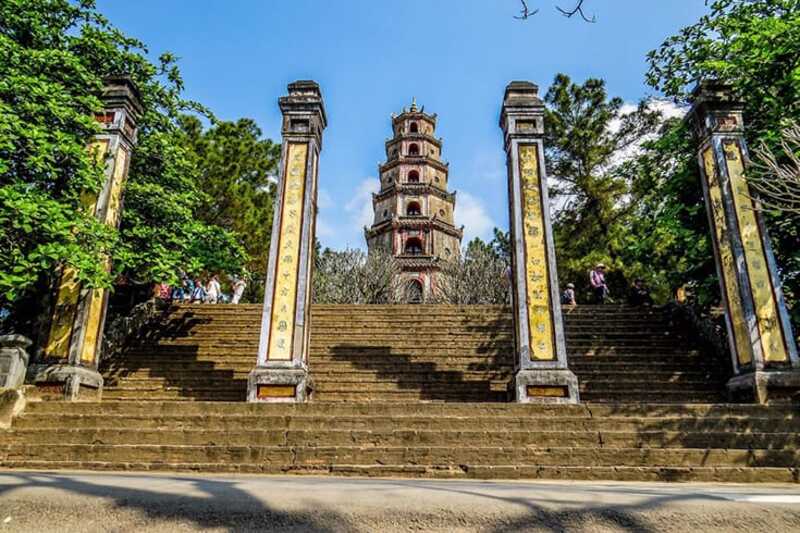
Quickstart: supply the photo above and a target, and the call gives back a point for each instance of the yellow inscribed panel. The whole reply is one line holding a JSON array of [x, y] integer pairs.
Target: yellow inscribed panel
[[540, 323], [94, 315], [63, 318], [769, 326], [730, 282], [284, 299], [117, 184]]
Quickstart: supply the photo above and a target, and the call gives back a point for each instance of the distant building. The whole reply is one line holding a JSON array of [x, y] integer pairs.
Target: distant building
[[413, 209]]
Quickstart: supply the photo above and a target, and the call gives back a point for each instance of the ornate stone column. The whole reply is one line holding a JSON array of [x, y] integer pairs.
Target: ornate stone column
[[281, 374], [763, 349], [541, 373], [67, 359]]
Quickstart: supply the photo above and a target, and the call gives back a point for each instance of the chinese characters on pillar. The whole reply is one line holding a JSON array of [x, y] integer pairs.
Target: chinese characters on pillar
[[288, 259], [542, 338], [766, 309], [730, 280]]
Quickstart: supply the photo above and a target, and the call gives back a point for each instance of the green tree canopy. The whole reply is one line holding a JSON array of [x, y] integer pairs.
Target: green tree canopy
[[237, 170], [755, 46], [585, 133], [54, 55]]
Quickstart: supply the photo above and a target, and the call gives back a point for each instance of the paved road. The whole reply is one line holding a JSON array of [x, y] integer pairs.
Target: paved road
[[48, 501]]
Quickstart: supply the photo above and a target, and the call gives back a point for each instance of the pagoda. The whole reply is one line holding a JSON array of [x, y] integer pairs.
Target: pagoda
[[413, 211]]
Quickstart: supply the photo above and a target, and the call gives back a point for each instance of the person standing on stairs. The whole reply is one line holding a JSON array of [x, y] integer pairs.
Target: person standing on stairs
[[213, 290], [597, 279], [238, 287], [568, 296], [640, 294]]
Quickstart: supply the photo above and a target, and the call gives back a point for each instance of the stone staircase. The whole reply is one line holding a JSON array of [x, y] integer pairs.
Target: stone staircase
[[414, 391], [736, 443], [412, 353]]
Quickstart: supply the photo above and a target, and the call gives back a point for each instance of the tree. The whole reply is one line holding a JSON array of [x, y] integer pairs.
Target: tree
[[353, 277], [479, 276], [754, 45], [237, 170], [586, 132], [665, 239], [54, 55]]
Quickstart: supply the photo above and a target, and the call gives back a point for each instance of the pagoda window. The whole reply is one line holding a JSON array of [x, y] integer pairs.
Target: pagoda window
[[413, 177], [413, 149], [413, 128], [413, 246], [413, 209]]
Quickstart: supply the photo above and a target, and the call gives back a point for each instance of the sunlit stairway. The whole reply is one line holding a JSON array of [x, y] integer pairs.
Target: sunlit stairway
[[411, 353]]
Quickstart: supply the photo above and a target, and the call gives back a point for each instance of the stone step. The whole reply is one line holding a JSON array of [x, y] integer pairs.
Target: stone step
[[409, 455], [353, 375], [533, 424], [261, 435], [644, 394], [619, 410]]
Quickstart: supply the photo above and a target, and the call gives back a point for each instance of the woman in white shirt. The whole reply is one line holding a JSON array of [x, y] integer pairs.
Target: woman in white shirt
[[213, 290]]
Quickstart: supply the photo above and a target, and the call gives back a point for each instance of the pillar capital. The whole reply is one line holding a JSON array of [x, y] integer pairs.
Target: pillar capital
[[522, 114], [715, 110], [122, 108], [303, 112]]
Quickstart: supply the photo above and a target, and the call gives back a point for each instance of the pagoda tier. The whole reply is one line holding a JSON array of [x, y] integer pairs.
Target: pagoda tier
[[413, 210]]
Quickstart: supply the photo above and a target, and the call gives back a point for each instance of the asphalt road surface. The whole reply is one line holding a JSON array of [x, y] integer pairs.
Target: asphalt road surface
[[58, 501]]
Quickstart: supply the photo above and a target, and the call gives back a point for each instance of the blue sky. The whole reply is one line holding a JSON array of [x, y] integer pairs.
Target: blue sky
[[372, 56]]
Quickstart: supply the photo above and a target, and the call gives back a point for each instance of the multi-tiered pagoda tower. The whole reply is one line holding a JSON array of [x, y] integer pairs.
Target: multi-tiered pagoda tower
[[413, 209]]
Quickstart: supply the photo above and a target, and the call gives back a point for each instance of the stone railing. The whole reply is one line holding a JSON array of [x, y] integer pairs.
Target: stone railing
[[707, 327], [126, 327]]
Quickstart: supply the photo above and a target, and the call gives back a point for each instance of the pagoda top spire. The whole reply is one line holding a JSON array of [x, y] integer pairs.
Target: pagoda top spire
[[413, 104]]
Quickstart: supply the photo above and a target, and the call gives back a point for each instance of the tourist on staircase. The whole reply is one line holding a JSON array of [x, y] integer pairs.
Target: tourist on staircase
[[238, 286], [568, 296], [640, 294], [198, 293], [597, 279], [213, 290]]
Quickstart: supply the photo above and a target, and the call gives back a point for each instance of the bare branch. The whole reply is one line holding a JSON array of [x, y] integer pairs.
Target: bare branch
[[777, 178], [525, 13], [577, 10]]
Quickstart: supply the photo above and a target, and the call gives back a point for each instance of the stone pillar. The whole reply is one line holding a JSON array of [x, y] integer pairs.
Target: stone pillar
[[762, 345], [281, 374], [67, 358], [541, 373]]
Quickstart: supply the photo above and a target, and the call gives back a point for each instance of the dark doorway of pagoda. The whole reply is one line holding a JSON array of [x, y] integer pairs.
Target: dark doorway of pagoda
[[414, 292]]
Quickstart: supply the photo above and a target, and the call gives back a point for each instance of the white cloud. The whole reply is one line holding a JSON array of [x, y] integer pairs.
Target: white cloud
[[471, 212], [668, 110], [359, 207], [342, 226]]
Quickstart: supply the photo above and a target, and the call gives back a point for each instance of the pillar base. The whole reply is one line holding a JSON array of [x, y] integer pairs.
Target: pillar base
[[546, 386], [65, 382], [277, 385], [764, 387], [13, 360]]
